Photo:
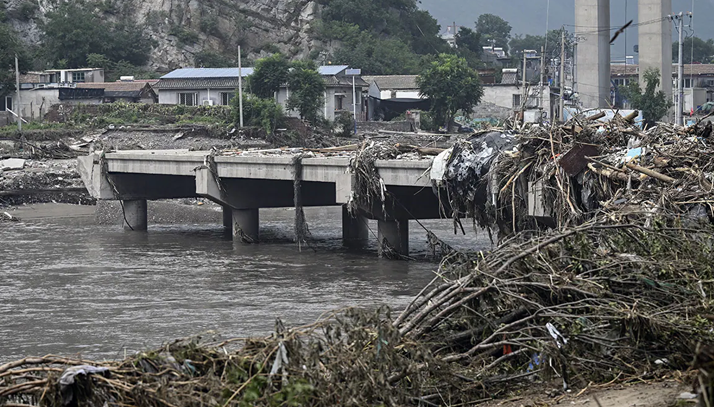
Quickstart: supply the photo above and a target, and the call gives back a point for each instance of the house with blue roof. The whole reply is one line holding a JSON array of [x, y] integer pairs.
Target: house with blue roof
[[217, 86]]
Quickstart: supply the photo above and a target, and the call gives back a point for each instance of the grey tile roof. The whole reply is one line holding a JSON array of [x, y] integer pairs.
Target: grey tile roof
[[689, 69], [393, 82], [344, 81], [509, 78]]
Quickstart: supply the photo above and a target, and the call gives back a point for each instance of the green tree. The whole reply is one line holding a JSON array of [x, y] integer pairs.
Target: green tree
[[493, 29], [703, 51], [451, 85], [367, 27], [654, 104], [270, 73], [468, 46], [73, 31], [10, 46], [469, 39], [377, 56], [306, 90]]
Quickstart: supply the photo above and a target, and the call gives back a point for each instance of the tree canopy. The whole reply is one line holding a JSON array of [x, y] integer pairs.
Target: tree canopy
[[703, 51], [269, 74], [654, 104], [306, 90], [380, 36], [451, 85], [493, 29], [73, 31], [10, 46]]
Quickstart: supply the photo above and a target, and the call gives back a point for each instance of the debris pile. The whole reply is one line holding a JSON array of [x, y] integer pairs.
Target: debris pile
[[619, 287], [32, 181], [599, 302], [563, 176]]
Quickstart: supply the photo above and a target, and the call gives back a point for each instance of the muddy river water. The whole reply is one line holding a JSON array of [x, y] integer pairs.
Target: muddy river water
[[78, 288]]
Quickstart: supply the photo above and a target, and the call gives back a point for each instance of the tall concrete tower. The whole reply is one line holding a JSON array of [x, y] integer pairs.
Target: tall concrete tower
[[656, 41], [592, 20]]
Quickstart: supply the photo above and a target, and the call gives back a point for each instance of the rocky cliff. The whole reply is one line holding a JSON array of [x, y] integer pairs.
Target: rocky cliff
[[183, 29]]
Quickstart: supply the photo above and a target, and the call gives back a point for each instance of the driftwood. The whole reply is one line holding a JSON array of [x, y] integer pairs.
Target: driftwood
[[405, 148], [650, 173]]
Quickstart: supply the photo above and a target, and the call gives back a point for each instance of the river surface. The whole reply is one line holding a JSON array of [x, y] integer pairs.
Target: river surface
[[97, 291]]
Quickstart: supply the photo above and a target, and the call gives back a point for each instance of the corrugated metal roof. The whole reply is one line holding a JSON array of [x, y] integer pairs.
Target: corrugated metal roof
[[202, 73], [331, 69], [393, 82]]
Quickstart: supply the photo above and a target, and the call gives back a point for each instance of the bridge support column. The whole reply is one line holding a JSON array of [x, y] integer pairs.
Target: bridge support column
[[227, 217], [246, 225], [396, 235], [355, 232], [135, 215]]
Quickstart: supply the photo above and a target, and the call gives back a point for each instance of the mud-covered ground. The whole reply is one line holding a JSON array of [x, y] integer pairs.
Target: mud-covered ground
[[50, 173]]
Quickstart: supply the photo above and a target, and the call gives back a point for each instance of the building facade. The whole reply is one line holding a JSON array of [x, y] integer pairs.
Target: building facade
[[217, 86]]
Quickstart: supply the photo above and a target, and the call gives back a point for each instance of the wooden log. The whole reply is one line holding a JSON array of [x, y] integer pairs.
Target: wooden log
[[616, 175], [349, 147], [596, 116], [632, 116], [405, 148], [650, 173]]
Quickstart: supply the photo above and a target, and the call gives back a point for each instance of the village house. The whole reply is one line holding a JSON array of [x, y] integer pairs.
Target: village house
[[217, 86], [698, 83], [389, 96], [42, 89], [128, 91]]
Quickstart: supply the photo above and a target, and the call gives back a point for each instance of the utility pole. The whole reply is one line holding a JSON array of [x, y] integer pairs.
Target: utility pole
[[562, 75], [678, 117], [17, 85], [240, 87], [524, 102], [542, 75]]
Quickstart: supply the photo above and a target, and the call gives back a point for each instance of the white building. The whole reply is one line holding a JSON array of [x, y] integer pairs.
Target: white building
[[217, 86]]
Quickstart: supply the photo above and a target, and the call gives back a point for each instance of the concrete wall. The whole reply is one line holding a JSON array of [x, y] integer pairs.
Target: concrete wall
[[501, 96], [329, 108], [655, 40], [171, 96], [593, 52], [693, 98]]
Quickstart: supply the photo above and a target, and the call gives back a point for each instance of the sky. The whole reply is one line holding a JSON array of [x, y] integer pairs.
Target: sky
[[530, 16]]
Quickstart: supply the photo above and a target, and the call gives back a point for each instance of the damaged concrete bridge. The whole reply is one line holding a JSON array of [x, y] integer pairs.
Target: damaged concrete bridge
[[245, 184]]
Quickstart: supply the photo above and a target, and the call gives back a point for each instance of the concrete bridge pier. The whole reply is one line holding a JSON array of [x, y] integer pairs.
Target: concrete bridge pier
[[396, 235], [355, 230], [135, 214], [227, 217], [246, 225]]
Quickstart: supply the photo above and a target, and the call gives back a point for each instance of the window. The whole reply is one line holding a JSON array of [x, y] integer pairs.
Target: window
[[77, 76], [226, 98], [338, 102], [8, 103], [188, 99], [516, 101], [687, 83]]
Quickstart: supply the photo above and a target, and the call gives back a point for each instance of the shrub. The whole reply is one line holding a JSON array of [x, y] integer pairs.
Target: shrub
[[257, 112]]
